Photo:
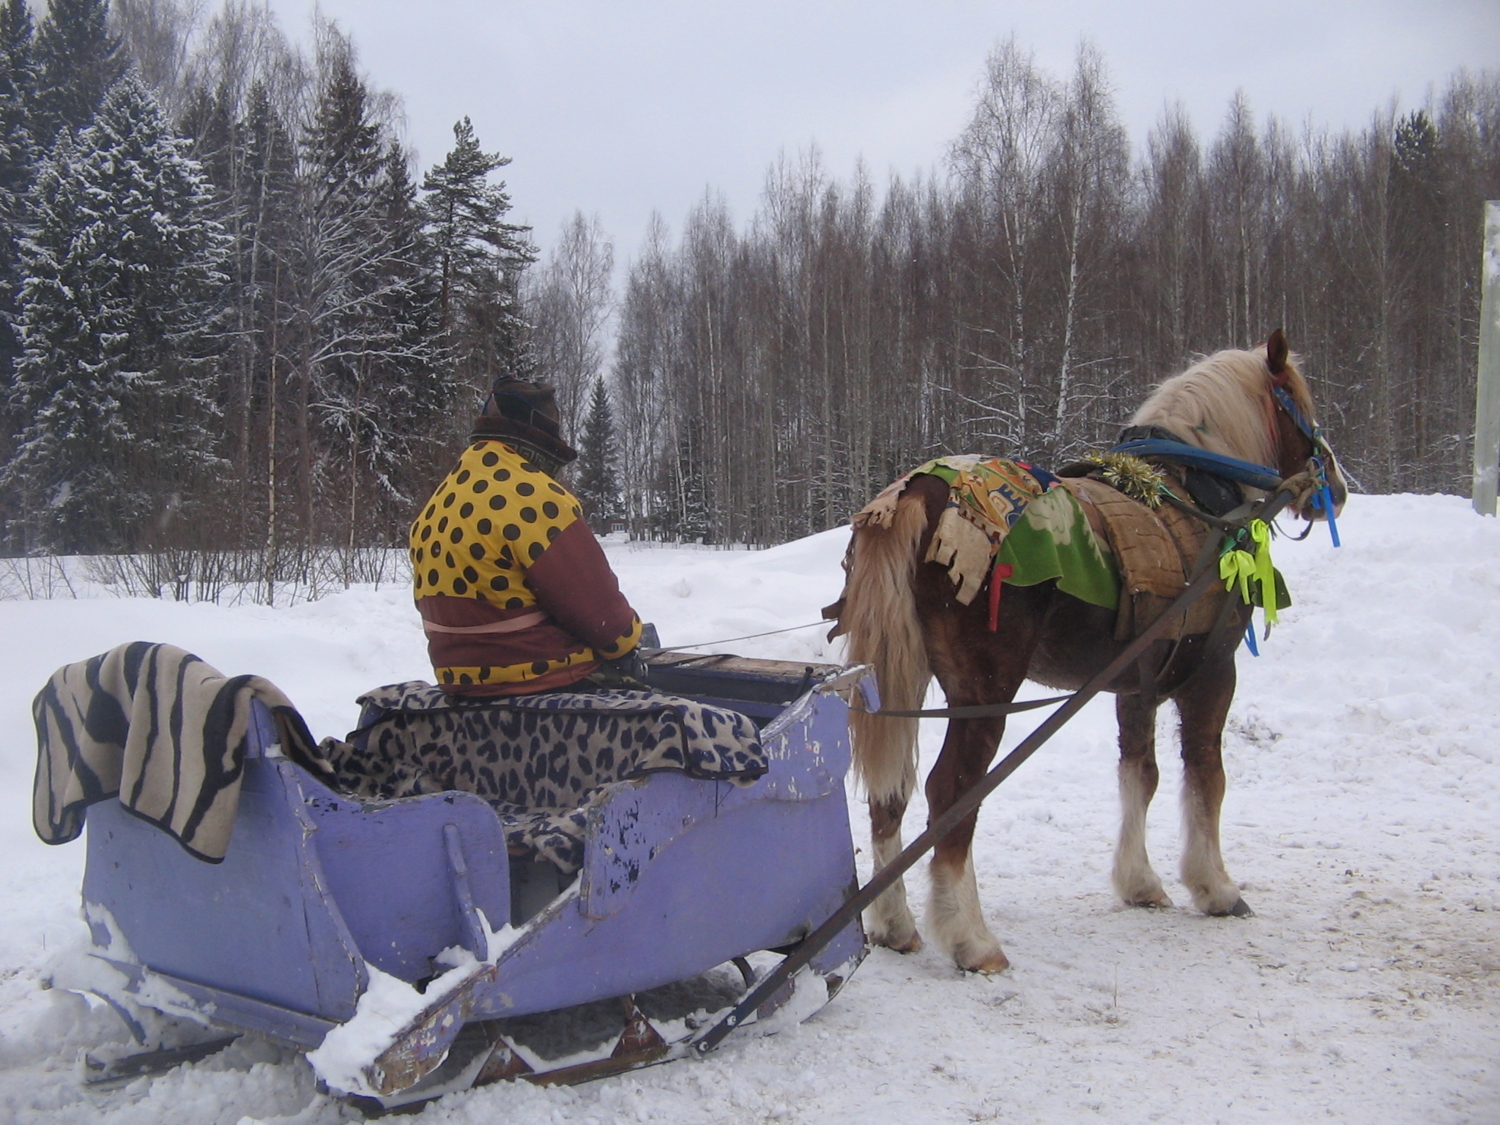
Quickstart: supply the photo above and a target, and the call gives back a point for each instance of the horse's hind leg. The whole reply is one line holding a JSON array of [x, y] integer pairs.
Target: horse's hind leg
[[974, 666], [954, 917], [1135, 882], [889, 920], [1203, 704]]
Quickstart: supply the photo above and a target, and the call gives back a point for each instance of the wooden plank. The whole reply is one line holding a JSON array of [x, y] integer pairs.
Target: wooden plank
[[1487, 391]]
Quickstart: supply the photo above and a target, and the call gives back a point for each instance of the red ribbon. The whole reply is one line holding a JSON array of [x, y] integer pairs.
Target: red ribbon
[[1001, 572]]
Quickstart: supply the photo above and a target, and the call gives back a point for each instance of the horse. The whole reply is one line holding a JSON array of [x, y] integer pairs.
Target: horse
[[903, 617]]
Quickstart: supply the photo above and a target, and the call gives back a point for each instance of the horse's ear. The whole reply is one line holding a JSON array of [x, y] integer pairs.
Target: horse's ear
[[1276, 353]]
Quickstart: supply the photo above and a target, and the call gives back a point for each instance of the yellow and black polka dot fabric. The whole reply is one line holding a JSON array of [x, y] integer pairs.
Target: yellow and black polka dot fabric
[[492, 517]]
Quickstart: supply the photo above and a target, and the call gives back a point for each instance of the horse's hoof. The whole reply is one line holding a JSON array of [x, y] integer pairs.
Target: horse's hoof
[[1237, 909], [1157, 901], [912, 944], [995, 961]]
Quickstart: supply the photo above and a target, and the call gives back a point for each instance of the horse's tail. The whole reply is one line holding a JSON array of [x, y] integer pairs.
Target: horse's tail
[[880, 616]]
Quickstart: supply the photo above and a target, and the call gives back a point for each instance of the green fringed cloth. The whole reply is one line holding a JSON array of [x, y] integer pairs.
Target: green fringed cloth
[[1005, 514]]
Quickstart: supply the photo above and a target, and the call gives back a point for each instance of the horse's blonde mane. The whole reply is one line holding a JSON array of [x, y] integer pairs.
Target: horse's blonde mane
[[1222, 404]]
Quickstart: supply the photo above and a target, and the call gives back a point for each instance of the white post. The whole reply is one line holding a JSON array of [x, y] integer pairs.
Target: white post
[[1487, 393]]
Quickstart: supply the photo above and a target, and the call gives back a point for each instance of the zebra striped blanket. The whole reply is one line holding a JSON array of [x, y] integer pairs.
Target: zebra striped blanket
[[158, 728]]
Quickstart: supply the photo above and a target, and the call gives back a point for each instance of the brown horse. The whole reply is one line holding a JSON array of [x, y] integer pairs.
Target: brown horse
[[903, 617]]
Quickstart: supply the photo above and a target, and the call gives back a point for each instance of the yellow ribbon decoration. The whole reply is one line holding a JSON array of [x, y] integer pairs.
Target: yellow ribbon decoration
[[1265, 573], [1237, 567]]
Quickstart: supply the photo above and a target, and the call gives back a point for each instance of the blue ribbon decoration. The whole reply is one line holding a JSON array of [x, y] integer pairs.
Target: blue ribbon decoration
[[1323, 501]]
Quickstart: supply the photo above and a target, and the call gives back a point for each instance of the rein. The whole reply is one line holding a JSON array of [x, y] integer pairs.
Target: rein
[[974, 711]]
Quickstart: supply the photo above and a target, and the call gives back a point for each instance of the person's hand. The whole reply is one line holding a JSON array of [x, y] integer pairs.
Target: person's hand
[[631, 666]]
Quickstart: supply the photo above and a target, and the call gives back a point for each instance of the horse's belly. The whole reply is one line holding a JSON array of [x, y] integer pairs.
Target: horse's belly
[[1077, 643]]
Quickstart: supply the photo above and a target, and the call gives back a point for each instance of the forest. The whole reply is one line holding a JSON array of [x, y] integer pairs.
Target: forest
[[241, 330]]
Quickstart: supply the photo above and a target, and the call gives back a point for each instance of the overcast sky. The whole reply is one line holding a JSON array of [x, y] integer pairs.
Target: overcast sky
[[621, 108]]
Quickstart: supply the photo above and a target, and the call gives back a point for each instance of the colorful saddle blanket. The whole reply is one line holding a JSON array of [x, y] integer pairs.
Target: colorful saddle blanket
[[540, 760], [1007, 514]]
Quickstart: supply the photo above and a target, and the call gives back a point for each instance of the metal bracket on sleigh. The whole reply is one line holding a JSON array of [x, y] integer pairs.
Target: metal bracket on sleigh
[[409, 954]]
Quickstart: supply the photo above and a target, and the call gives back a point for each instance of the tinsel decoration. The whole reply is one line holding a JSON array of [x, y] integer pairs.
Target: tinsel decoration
[[1132, 476]]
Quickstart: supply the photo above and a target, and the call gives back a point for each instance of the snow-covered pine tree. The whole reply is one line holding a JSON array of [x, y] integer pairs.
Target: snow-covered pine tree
[[250, 161], [358, 336], [267, 206], [117, 326], [18, 155], [17, 45], [78, 62], [401, 385], [479, 258], [596, 480], [420, 371], [18, 158]]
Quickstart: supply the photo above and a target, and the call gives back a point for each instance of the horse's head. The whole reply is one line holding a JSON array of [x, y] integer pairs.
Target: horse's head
[[1297, 442], [1253, 406]]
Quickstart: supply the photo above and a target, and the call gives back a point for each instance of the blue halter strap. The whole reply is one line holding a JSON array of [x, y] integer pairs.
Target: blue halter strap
[[1323, 498], [1289, 404]]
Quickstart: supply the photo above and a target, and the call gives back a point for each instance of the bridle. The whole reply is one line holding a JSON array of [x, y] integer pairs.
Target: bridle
[[1319, 459]]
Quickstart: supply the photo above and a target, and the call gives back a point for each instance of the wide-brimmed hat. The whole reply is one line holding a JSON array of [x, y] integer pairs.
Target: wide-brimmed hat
[[527, 413]]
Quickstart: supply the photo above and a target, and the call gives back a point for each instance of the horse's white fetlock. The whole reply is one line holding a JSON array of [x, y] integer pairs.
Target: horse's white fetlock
[[956, 922], [1216, 897], [889, 922], [1138, 889], [1135, 881]]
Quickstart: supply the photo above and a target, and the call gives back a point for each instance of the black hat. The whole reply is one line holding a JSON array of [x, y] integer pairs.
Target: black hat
[[526, 414]]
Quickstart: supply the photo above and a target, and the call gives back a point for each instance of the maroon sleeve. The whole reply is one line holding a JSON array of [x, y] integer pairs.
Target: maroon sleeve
[[574, 584]]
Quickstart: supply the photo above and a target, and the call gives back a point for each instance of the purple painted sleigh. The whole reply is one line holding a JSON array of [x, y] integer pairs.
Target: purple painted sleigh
[[322, 901]]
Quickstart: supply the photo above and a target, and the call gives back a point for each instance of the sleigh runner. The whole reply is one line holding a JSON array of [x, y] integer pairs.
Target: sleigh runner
[[416, 945]]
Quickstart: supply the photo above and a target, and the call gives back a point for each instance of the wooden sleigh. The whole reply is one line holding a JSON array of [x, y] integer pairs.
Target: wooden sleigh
[[495, 966]]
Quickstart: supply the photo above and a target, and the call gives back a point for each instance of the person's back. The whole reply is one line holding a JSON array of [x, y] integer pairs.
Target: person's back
[[515, 593]]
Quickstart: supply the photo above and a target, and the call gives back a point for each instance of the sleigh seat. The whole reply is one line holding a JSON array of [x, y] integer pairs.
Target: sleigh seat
[[541, 761]]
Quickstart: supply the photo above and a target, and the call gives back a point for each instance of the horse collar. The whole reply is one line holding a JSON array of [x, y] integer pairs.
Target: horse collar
[[1213, 493]]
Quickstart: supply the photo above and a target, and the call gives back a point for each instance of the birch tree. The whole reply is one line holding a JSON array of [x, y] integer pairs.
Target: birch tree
[[570, 303]]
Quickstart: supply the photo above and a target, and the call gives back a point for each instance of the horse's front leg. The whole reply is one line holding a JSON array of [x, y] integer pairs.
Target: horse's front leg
[[889, 921], [1203, 704], [954, 916], [1135, 881]]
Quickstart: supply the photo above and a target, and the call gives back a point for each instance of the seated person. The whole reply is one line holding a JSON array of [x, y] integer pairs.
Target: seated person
[[515, 593]]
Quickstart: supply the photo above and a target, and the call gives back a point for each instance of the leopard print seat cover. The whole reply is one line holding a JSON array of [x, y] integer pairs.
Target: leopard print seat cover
[[540, 760]]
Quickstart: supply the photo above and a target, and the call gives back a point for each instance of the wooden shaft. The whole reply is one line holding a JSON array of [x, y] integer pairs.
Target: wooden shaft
[[1487, 388]]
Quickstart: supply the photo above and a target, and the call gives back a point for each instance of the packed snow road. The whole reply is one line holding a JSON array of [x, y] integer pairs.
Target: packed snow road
[[1364, 760]]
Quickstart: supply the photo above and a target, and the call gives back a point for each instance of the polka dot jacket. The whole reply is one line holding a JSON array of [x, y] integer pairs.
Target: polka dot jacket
[[515, 593]]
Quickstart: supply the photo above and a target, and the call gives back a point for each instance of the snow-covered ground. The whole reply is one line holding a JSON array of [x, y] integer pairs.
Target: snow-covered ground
[[1364, 761]]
